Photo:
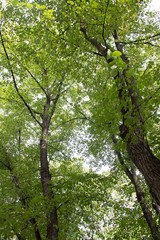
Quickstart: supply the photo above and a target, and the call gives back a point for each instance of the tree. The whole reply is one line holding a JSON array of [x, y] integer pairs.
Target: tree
[[28, 64], [132, 128], [111, 38], [67, 65]]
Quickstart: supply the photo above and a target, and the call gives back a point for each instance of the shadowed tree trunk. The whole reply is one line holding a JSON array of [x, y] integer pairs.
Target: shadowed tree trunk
[[132, 130], [133, 134], [52, 219], [131, 174]]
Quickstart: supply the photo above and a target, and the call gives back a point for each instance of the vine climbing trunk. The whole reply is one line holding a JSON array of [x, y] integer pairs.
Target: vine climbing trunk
[[132, 129], [133, 134]]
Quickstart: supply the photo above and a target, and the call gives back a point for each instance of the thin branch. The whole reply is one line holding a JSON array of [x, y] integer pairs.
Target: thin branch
[[14, 81], [55, 100], [153, 45], [72, 120], [31, 74], [34, 78], [62, 204], [152, 37], [58, 150], [79, 111]]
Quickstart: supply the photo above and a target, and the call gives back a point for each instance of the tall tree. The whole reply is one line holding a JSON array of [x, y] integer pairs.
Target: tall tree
[[113, 28], [69, 61]]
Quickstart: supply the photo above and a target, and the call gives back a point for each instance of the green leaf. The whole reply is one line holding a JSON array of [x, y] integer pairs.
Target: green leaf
[[29, 5], [70, 2], [114, 72], [130, 72], [116, 54], [15, 2]]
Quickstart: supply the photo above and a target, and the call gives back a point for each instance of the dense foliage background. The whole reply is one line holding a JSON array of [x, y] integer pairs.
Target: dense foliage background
[[73, 74]]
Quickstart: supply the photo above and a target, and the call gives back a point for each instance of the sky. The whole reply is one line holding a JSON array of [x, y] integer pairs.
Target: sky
[[155, 5]]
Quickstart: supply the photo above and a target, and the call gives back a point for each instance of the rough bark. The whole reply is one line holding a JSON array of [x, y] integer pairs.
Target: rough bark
[[52, 229], [52, 219], [133, 135], [131, 174], [148, 164]]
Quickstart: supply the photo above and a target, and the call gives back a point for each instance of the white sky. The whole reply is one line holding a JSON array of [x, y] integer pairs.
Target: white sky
[[155, 4]]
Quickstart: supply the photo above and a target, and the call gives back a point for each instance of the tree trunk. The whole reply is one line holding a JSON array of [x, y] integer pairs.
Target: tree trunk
[[45, 174], [132, 130], [145, 209], [131, 174], [134, 133], [148, 164], [52, 219], [52, 229]]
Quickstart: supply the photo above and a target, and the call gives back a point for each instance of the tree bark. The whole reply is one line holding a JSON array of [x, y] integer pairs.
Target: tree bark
[[148, 164], [134, 134], [52, 219], [52, 229], [132, 129], [131, 174]]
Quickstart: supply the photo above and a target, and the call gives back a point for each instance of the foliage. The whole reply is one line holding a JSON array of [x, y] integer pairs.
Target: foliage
[[43, 53]]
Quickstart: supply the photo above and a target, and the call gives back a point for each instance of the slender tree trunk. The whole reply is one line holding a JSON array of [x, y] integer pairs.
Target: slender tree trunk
[[45, 174], [36, 230], [52, 219], [52, 229]]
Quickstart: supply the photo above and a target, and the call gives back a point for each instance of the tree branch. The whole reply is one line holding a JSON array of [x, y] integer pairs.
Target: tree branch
[[22, 197], [99, 46], [34, 78], [14, 81], [55, 100], [142, 40]]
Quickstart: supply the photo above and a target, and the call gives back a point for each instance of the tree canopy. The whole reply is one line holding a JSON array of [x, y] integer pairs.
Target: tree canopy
[[79, 114]]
